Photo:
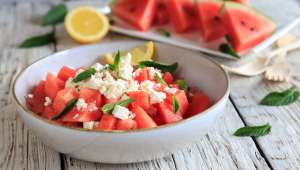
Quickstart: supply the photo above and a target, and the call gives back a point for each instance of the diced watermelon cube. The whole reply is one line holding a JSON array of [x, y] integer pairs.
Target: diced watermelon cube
[[62, 98], [140, 98], [65, 73], [168, 77], [36, 103], [49, 112], [142, 75], [199, 103], [91, 95], [53, 85], [181, 97], [127, 124], [85, 115], [107, 122], [142, 119], [167, 115]]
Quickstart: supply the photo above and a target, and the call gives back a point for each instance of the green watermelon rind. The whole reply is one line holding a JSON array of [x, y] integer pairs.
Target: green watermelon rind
[[228, 5]]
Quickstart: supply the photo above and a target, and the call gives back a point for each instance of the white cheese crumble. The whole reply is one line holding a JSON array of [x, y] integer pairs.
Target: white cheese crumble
[[80, 104], [153, 72], [121, 112], [157, 97], [133, 86], [48, 101], [170, 90], [98, 67], [30, 96], [125, 68], [89, 125]]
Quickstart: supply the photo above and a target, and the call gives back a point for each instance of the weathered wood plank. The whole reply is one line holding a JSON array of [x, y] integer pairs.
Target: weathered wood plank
[[217, 150], [19, 148], [282, 146]]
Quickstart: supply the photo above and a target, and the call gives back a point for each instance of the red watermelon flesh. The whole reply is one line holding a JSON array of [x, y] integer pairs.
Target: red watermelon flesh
[[139, 13], [178, 15], [245, 2], [246, 27], [161, 16], [211, 23]]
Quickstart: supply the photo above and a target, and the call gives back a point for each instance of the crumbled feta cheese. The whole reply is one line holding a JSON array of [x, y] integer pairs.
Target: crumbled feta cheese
[[93, 108], [116, 89], [157, 97], [88, 125], [98, 67], [125, 68], [170, 90], [121, 112], [48, 101], [81, 104], [133, 86], [147, 86], [153, 72], [30, 96]]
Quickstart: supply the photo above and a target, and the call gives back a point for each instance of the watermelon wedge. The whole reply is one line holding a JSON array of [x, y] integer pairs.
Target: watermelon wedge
[[245, 26], [139, 13], [210, 20]]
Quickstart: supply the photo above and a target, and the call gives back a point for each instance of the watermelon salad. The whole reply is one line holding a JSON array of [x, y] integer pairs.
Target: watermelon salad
[[244, 26], [117, 96]]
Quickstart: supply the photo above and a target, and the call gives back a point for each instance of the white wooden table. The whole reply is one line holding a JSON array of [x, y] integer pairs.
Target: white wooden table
[[20, 149]]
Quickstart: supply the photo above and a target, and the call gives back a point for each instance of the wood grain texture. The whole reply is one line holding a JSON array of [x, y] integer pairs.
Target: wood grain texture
[[19, 148], [282, 146]]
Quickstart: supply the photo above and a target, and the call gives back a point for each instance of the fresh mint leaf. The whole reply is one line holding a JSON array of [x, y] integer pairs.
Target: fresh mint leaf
[[109, 107], [69, 106], [182, 84], [164, 68], [84, 75], [160, 80], [175, 104], [254, 131], [55, 15], [227, 49], [285, 97], [163, 32], [39, 40], [115, 66]]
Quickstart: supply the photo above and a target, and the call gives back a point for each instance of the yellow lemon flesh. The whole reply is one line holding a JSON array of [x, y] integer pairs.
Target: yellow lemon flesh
[[86, 25], [139, 53]]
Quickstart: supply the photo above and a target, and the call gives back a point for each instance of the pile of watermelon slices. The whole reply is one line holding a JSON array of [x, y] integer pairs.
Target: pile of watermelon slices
[[213, 19]]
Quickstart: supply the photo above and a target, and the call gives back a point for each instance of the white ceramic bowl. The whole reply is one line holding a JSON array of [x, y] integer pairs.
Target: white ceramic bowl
[[133, 146]]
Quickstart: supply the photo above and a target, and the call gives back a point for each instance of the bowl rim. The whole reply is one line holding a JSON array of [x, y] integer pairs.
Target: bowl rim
[[49, 122]]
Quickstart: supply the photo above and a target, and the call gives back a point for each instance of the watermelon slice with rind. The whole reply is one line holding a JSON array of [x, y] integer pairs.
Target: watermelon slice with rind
[[210, 21], [245, 26]]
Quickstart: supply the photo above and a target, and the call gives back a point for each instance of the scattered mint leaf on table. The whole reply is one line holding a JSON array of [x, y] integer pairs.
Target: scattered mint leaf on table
[[69, 106], [254, 131], [55, 15], [285, 97], [84, 75], [39, 40], [109, 107], [164, 68]]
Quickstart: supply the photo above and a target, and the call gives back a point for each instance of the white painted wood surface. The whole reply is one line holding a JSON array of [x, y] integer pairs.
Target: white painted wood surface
[[20, 149]]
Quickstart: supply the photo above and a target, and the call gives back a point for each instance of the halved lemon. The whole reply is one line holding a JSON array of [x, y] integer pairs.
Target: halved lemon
[[139, 53], [86, 24]]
